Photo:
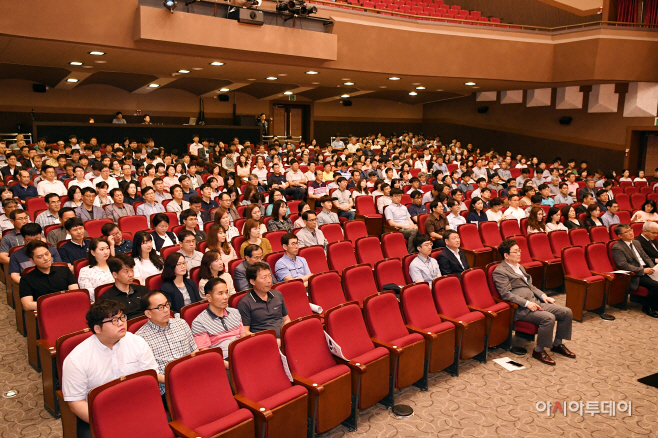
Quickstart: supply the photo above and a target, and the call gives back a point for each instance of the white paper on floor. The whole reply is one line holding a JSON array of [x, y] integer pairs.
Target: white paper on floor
[[504, 362]]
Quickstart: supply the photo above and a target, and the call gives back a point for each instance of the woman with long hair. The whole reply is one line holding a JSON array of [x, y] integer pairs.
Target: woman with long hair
[[361, 188], [301, 208], [571, 220], [646, 213], [147, 260], [96, 273], [216, 241], [553, 220], [242, 168], [536, 221], [251, 232], [150, 176], [213, 267], [593, 216], [130, 195], [222, 218], [280, 219], [179, 289], [254, 212]]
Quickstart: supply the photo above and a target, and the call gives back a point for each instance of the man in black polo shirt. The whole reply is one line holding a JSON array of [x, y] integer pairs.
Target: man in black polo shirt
[[76, 248], [263, 308], [19, 259], [122, 268], [114, 237], [46, 278]]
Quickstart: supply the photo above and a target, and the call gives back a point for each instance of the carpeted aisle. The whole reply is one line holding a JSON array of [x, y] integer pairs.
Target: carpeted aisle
[[485, 400]]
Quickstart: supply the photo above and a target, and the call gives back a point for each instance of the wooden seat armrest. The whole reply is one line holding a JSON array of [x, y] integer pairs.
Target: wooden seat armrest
[[574, 279], [43, 344], [181, 430], [514, 306], [607, 275], [429, 336], [393, 349], [543, 262], [264, 414], [354, 366], [487, 313], [460, 324], [311, 387]]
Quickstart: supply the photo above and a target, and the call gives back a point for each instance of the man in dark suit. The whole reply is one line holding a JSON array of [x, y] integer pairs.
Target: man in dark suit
[[515, 285], [648, 240], [629, 256], [588, 199], [452, 260]]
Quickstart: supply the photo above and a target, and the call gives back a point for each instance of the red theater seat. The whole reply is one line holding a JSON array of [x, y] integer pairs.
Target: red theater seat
[[584, 290]]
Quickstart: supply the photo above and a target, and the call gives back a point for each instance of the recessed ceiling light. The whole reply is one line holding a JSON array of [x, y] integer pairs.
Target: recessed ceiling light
[[224, 90], [87, 66], [271, 78], [216, 63], [183, 71], [476, 87], [100, 62], [72, 80], [349, 83], [470, 83], [315, 83], [382, 86], [420, 88], [96, 53], [413, 93], [287, 93], [312, 72], [197, 68], [154, 85], [416, 83], [75, 63], [345, 96], [394, 79]]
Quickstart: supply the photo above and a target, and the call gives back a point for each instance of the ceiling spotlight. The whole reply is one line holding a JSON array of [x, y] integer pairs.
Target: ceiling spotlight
[[287, 93], [154, 85], [393, 79], [420, 88], [271, 78], [224, 90], [170, 5], [72, 80], [75, 63], [344, 96], [349, 83], [216, 63], [96, 53], [470, 83], [311, 72], [413, 93], [183, 71]]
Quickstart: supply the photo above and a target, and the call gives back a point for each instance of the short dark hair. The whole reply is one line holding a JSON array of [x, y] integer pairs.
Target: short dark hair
[[286, 238], [249, 249], [210, 285], [31, 229], [184, 234], [415, 194], [542, 187], [185, 214], [608, 204], [118, 262], [420, 239], [395, 191], [448, 233], [159, 217], [195, 199], [16, 212], [33, 245], [103, 309], [618, 229], [307, 213], [86, 190], [108, 228], [49, 196], [505, 247], [535, 199], [253, 270], [72, 223], [495, 201], [325, 198], [145, 301]]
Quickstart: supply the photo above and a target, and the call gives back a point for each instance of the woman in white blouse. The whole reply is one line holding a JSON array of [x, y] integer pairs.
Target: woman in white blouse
[[147, 261], [553, 220], [640, 177], [646, 213], [626, 176], [96, 273], [495, 214], [213, 267], [299, 223]]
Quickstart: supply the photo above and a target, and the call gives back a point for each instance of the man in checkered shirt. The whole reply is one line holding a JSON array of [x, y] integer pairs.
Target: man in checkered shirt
[[218, 325], [169, 338]]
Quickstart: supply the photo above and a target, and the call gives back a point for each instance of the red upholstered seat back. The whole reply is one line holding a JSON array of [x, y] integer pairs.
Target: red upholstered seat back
[[366, 205], [165, 251], [490, 233], [294, 294], [405, 266], [257, 368], [382, 313], [191, 311], [62, 313], [475, 292], [469, 236], [345, 325], [523, 246], [624, 202], [369, 250], [272, 258], [133, 224], [624, 216], [389, 271], [448, 297], [418, 306], [599, 234], [573, 260], [332, 232], [136, 323], [609, 246], [510, 227], [154, 282], [540, 247], [315, 257], [354, 230], [146, 416], [637, 228], [93, 227], [558, 239], [637, 199], [422, 218], [66, 344], [237, 242], [326, 290], [358, 283], [199, 397], [306, 347], [341, 255], [597, 257], [579, 237], [394, 245], [275, 239], [492, 287]]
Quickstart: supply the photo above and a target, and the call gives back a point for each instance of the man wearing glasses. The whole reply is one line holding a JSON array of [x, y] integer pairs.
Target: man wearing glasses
[[252, 254], [290, 266], [169, 338], [122, 267], [111, 352]]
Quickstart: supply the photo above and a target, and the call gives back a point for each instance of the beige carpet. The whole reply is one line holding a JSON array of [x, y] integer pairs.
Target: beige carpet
[[485, 400]]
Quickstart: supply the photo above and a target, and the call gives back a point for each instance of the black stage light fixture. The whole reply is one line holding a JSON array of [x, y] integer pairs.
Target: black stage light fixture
[[566, 120], [170, 5]]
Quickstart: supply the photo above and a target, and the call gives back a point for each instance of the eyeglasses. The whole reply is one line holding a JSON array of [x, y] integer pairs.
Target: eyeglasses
[[116, 320], [162, 307], [515, 252], [44, 256], [181, 264]]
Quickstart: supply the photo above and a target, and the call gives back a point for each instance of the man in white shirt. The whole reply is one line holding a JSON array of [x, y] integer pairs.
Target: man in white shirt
[[385, 199], [479, 171], [424, 268], [454, 218], [50, 184], [514, 211], [296, 181], [260, 170], [337, 143], [80, 179], [111, 352], [112, 183], [398, 216]]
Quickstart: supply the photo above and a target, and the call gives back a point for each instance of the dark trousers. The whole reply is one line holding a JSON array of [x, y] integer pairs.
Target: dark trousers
[[297, 193], [652, 287], [350, 215], [84, 430], [438, 243]]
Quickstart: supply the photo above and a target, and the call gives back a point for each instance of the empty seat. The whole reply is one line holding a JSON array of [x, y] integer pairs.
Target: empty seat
[[262, 386], [584, 290], [389, 271], [326, 290], [93, 227], [599, 264], [304, 344], [637, 199], [340, 255], [355, 229], [203, 402], [631, 190], [315, 257], [559, 240], [191, 311], [533, 268], [366, 210], [451, 305], [359, 283], [540, 250], [490, 236], [599, 234], [579, 237], [370, 365], [509, 228], [275, 239], [332, 232], [405, 267], [133, 224], [393, 245], [387, 329], [477, 254], [624, 202], [294, 295], [368, 250]]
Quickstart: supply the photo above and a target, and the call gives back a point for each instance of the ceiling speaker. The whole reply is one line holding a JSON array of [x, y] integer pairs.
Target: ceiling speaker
[[38, 88], [483, 109], [566, 120], [347, 102], [223, 97]]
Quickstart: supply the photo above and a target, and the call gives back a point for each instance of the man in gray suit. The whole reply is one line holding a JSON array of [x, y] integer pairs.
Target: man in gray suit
[[629, 256], [88, 211], [515, 285]]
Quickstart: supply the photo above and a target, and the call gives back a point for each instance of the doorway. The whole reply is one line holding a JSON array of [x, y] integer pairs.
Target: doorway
[[291, 120]]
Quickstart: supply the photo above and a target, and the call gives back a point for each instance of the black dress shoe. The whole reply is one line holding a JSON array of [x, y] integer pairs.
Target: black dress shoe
[[543, 357], [563, 350], [649, 311]]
